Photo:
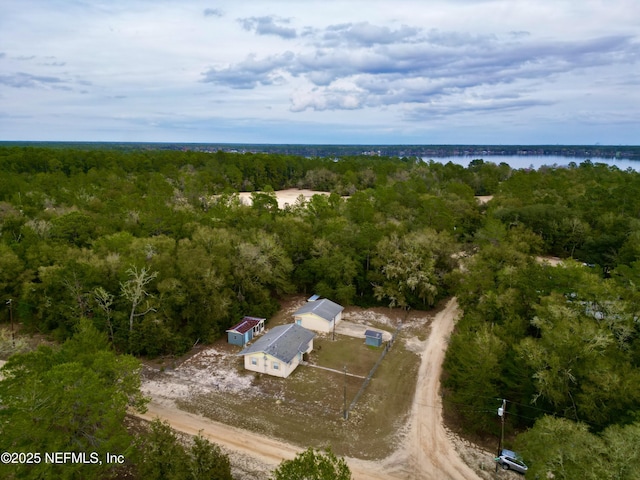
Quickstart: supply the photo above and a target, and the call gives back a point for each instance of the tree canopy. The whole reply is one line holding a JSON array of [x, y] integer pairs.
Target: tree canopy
[[158, 250], [161, 454], [313, 464], [68, 399]]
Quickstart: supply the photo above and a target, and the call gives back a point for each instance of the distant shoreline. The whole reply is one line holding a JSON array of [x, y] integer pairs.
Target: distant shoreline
[[626, 152]]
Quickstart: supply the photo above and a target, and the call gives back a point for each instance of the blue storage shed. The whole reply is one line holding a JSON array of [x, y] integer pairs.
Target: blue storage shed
[[243, 332], [373, 338]]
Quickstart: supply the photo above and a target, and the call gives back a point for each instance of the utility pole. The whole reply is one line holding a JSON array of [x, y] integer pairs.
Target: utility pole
[[344, 396], [13, 337], [501, 413]]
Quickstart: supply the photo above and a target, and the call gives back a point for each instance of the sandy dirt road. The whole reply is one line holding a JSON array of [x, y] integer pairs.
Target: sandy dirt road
[[426, 452], [265, 449]]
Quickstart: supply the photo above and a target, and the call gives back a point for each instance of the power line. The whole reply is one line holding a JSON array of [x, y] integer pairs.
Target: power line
[[477, 409]]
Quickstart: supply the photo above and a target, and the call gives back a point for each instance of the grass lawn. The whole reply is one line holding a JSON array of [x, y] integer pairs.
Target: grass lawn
[[345, 351]]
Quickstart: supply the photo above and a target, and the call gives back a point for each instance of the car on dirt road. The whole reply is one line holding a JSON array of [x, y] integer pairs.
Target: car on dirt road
[[510, 460]]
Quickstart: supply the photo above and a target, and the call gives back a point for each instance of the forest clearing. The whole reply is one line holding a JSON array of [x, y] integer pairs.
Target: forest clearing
[[422, 448]]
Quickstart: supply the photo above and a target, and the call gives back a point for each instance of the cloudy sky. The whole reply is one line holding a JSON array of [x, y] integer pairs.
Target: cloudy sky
[[307, 71]]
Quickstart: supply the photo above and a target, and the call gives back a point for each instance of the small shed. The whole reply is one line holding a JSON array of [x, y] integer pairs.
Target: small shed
[[243, 332], [373, 338]]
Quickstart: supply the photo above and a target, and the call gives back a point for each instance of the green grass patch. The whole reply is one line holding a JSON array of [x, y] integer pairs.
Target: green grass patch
[[344, 351]]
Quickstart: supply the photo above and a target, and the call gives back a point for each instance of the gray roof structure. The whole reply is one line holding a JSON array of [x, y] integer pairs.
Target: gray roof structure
[[373, 334], [283, 342], [323, 308]]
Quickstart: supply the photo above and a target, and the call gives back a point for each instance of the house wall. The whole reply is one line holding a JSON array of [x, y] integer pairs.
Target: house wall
[[284, 369], [313, 322], [309, 347], [375, 342], [258, 329], [236, 338]]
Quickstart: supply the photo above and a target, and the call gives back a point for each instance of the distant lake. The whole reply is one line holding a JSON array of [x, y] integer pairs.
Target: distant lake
[[535, 161]]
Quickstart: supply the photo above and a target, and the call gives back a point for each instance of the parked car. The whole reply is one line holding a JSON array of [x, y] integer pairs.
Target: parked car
[[510, 460]]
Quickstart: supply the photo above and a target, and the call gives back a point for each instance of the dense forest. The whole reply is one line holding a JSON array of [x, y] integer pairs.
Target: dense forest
[[156, 250], [560, 343]]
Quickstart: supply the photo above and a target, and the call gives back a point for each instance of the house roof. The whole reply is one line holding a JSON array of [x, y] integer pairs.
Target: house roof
[[323, 308], [283, 342], [246, 324], [373, 334]]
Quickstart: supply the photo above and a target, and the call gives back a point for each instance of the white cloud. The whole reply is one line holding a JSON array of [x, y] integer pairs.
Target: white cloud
[[26, 80], [251, 72], [364, 34], [269, 26], [213, 12]]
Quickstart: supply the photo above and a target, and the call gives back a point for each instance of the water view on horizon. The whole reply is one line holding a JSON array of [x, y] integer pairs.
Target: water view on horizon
[[536, 161]]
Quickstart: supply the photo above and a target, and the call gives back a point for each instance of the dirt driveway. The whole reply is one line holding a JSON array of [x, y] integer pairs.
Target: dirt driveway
[[357, 330], [427, 452]]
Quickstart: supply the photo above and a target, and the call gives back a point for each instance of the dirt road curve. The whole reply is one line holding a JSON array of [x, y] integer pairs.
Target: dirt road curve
[[426, 453], [265, 449]]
